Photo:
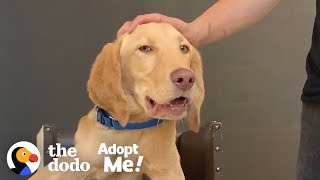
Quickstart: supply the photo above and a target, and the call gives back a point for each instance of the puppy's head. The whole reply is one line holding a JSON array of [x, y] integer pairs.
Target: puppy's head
[[153, 72]]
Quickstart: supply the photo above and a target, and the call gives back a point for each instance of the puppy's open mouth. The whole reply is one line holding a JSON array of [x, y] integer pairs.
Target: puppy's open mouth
[[174, 107]]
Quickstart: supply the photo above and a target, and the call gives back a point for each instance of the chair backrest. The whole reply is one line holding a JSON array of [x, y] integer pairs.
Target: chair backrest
[[201, 153]]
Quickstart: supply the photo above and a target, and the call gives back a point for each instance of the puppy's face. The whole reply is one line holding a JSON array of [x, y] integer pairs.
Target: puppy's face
[[156, 68], [161, 74]]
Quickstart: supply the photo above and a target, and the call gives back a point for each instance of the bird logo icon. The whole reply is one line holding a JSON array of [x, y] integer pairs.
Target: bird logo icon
[[23, 158]]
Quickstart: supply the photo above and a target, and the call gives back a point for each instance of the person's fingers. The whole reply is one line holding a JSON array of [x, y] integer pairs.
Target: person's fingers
[[123, 28], [176, 23], [143, 19], [130, 26], [134, 24]]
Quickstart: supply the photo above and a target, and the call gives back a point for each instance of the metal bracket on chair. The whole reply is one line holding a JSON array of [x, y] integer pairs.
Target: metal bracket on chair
[[217, 145], [45, 137]]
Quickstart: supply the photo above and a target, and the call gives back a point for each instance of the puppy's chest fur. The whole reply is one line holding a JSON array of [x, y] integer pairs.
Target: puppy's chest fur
[[152, 143]]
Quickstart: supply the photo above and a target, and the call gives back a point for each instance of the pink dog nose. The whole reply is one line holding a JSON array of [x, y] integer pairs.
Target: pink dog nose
[[183, 78]]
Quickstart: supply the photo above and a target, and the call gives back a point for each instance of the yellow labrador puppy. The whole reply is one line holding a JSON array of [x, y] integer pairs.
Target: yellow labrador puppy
[[145, 81]]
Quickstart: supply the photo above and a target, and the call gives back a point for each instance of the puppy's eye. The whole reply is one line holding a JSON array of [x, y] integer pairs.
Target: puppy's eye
[[184, 49], [145, 48]]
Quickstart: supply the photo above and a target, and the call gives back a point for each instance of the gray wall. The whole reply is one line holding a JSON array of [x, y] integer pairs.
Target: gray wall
[[253, 79]]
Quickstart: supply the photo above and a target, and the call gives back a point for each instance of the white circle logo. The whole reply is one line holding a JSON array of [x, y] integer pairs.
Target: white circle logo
[[23, 158]]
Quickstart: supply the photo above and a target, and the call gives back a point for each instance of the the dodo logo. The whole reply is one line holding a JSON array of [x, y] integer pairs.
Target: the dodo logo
[[23, 158]]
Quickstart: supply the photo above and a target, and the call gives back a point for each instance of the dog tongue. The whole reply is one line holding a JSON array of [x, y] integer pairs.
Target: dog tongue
[[178, 101]]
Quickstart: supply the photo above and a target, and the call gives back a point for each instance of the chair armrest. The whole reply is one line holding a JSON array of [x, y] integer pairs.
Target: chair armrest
[[48, 135]]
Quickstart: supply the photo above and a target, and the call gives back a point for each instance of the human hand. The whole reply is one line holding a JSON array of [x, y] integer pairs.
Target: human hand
[[186, 29]]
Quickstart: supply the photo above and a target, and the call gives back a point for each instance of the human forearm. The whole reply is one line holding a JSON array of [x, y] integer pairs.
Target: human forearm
[[227, 17]]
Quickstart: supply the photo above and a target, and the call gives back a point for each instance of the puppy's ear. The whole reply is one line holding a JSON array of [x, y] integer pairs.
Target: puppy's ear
[[193, 117], [104, 84]]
